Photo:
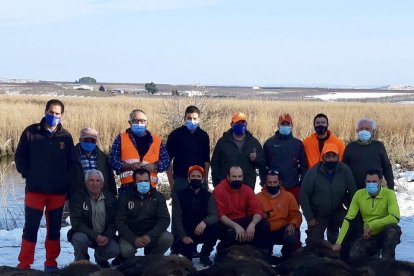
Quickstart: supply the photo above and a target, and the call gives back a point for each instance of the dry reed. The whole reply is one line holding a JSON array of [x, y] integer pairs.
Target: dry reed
[[110, 115]]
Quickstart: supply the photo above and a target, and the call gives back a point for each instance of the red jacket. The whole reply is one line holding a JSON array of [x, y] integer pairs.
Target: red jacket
[[235, 204]]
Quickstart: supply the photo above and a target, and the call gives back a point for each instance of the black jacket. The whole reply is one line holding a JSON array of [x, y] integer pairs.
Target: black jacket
[[188, 149], [80, 210], [45, 160], [189, 209], [78, 176], [227, 154], [286, 154], [139, 215], [362, 157]]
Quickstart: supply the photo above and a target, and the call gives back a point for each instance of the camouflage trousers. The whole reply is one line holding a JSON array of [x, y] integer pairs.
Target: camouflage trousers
[[383, 244]]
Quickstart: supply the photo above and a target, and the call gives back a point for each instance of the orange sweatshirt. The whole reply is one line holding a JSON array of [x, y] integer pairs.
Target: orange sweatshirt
[[281, 210]]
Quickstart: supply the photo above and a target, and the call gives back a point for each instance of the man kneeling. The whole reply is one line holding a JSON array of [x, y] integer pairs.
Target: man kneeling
[[142, 219], [282, 213], [92, 215], [194, 218], [380, 213], [239, 213]]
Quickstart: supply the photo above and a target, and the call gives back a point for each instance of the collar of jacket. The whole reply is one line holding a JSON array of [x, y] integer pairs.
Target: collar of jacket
[[359, 142], [133, 136], [79, 149], [321, 167], [379, 195], [185, 129], [40, 127], [281, 136], [229, 134]]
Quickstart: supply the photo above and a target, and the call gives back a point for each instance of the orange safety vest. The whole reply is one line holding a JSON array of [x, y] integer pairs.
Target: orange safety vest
[[129, 154], [311, 145]]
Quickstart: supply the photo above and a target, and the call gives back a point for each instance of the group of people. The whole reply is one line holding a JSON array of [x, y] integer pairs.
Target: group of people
[[336, 186]]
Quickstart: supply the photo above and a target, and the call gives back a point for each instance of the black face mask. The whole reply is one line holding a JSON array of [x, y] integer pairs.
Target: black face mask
[[195, 183], [273, 189], [320, 130], [331, 165], [236, 184]]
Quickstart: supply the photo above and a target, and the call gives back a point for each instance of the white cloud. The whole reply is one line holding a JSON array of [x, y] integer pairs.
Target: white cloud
[[29, 12]]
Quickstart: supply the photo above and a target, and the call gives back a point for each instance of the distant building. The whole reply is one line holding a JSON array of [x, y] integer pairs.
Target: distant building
[[83, 87], [192, 93], [117, 91], [255, 87]]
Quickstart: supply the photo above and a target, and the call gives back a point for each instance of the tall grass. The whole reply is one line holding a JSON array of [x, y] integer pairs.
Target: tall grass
[[110, 115], [11, 214]]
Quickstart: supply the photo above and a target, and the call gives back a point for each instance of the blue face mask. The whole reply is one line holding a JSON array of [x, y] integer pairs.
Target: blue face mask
[[364, 135], [285, 130], [372, 188], [143, 187], [239, 129], [88, 147], [138, 129], [52, 120], [191, 125]]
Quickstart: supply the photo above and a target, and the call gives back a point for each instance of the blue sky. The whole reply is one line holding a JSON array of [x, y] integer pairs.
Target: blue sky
[[210, 42]]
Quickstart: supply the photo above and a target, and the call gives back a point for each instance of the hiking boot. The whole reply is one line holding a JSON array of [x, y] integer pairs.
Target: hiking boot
[[103, 264], [51, 269], [118, 260], [205, 261], [196, 254]]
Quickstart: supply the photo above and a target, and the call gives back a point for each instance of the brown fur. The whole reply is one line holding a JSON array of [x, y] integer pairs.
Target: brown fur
[[14, 271]]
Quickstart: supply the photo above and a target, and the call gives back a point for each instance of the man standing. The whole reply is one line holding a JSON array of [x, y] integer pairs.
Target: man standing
[[239, 213], [282, 213], [137, 148], [314, 143], [286, 154], [237, 147], [366, 153], [44, 157], [323, 189], [142, 219], [92, 215], [379, 210], [194, 218], [188, 145], [88, 156]]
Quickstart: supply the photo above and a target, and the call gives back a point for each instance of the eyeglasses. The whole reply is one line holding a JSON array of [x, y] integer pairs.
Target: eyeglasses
[[89, 140], [136, 121]]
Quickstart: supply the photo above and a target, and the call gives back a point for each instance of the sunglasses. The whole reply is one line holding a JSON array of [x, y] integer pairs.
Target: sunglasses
[[273, 172]]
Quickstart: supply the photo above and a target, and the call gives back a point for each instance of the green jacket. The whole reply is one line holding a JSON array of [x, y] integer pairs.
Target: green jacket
[[78, 176], [142, 215], [320, 197], [377, 212], [226, 154], [80, 209]]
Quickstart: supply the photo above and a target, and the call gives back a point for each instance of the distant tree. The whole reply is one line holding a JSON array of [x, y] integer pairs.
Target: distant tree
[[151, 88], [87, 80], [175, 93], [102, 88]]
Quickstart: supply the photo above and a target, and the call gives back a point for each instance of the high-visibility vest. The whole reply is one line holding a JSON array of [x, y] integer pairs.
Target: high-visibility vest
[[130, 154]]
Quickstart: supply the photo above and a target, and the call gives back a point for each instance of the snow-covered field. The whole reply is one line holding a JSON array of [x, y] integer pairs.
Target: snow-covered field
[[10, 240], [354, 95]]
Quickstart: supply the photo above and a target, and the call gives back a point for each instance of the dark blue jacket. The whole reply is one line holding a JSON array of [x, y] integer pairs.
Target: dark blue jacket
[[286, 154]]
